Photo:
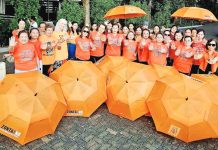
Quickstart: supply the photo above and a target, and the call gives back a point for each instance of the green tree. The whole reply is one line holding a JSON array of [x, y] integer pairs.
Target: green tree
[[99, 8], [24, 9], [144, 6], [71, 11], [163, 15]]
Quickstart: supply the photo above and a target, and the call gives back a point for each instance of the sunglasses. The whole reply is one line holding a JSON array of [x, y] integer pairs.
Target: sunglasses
[[167, 34], [86, 31], [211, 44]]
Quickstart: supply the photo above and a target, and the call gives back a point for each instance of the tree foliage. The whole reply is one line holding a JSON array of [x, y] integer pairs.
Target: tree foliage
[[99, 8], [144, 6], [24, 9], [71, 11], [163, 14]]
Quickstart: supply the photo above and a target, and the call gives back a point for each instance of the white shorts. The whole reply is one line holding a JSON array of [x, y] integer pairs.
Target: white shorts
[[23, 71]]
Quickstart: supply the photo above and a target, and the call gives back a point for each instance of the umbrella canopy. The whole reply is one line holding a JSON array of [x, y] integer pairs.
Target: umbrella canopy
[[184, 107], [128, 88], [109, 62], [31, 106], [194, 13], [209, 78], [83, 85], [124, 12], [163, 71]]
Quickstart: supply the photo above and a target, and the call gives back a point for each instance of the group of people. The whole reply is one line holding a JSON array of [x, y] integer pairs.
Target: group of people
[[47, 47]]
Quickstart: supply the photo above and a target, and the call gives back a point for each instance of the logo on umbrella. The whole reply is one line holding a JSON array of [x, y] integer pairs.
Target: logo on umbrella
[[208, 17], [10, 131]]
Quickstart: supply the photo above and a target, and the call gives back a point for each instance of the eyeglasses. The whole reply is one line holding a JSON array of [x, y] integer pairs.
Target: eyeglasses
[[86, 31], [211, 44], [167, 34]]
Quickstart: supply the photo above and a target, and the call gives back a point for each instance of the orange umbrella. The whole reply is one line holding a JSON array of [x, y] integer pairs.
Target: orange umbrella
[[109, 62], [209, 78], [163, 71], [195, 13], [128, 87], [184, 107], [124, 12], [31, 106], [83, 85]]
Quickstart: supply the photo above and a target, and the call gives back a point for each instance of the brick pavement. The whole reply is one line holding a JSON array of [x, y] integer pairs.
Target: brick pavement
[[105, 131]]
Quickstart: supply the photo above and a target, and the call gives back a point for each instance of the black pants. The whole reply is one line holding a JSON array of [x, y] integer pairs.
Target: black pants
[[208, 70], [144, 63], [170, 62], [188, 74], [94, 59], [81, 60], [45, 69], [195, 69]]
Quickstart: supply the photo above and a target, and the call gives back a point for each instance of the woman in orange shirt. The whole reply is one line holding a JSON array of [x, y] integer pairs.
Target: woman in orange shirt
[[199, 45], [130, 47], [98, 39], [158, 51], [156, 30], [138, 34], [209, 62], [84, 45], [48, 45], [143, 51], [34, 39], [177, 42], [194, 32], [131, 27], [125, 31], [25, 54], [184, 56], [173, 30], [114, 42], [21, 26]]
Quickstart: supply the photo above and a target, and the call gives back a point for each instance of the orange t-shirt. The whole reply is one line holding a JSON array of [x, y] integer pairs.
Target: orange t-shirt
[[155, 56], [199, 48], [129, 49], [114, 49], [138, 38], [15, 34], [143, 52], [83, 48], [73, 37], [37, 45], [204, 61], [48, 55], [181, 63], [172, 51], [92, 33], [62, 53], [98, 43], [25, 57]]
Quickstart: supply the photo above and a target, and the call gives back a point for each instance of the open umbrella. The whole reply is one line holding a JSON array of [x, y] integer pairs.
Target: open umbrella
[[184, 107], [124, 12], [163, 71], [31, 106], [128, 87], [209, 78], [83, 85], [194, 13], [109, 62]]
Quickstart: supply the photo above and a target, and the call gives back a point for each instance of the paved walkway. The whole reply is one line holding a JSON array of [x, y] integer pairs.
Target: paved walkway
[[105, 131]]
